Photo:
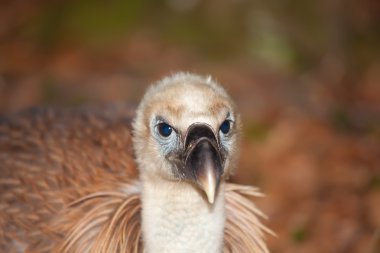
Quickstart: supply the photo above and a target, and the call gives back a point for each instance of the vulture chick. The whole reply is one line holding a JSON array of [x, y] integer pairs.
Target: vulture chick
[[69, 182]]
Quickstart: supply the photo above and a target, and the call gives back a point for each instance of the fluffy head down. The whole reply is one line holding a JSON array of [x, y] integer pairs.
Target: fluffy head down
[[180, 101]]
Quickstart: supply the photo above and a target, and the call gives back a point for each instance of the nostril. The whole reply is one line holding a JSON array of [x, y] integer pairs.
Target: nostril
[[197, 131]]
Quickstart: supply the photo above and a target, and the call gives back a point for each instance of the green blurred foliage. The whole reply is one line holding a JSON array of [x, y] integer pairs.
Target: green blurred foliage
[[300, 234], [256, 131], [292, 34], [87, 21], [375, 183]]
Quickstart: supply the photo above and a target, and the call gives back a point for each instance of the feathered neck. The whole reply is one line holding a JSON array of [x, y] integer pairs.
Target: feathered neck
[[109, 220], [176, 217]]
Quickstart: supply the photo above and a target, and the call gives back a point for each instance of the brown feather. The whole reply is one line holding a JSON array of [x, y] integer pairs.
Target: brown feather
[[68, 183], [243, 232]]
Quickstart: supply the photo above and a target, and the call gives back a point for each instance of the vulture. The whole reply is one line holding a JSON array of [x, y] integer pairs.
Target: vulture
[[113, 180]]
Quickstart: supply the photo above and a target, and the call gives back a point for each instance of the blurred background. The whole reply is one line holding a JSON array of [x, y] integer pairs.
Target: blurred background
[[305, 75]]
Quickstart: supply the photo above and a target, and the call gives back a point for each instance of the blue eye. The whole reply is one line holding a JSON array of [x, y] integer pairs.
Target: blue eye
[[165, 129], [225, 127]]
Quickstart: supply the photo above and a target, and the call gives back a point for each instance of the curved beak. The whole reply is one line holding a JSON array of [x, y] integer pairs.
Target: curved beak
[[203, 159]]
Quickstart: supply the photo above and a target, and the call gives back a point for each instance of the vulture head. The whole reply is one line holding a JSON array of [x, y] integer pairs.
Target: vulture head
[[185, 140], [186, 131]]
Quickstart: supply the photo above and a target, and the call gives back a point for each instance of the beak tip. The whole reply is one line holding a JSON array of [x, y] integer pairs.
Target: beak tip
[[209, 185], [211, 199]]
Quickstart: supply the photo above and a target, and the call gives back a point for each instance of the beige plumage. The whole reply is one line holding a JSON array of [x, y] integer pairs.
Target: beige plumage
[[69, 181]]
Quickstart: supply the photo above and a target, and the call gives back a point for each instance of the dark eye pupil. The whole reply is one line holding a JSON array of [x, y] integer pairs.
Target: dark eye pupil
[[165, 129], [225, 127]]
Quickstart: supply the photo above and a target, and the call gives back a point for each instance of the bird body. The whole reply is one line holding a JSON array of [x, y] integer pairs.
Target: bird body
[[69, 181]]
